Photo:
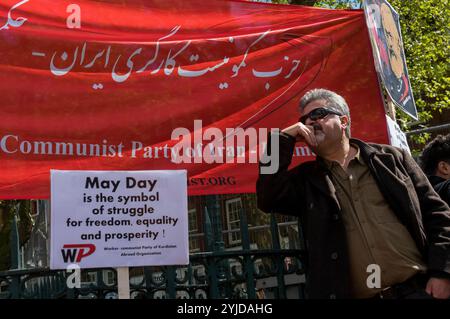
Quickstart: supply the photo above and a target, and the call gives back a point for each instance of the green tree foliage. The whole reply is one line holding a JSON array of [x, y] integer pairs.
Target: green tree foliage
[[426, 38], [339, 4], [25, 224]]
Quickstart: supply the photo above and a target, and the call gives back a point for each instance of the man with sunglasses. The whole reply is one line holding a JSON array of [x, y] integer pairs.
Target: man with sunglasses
[[373, 225], [435, 162]]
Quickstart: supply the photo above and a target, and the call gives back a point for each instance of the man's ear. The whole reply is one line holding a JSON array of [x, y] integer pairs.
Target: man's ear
[[443, 169], [344, 121]]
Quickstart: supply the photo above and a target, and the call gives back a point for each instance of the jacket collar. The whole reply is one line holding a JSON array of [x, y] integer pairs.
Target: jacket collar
[[365, 151], [329, 164], [374, 157], [320, 177]]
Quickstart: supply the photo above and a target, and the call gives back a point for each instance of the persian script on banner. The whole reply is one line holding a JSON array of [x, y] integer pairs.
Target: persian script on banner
[[147, 85]]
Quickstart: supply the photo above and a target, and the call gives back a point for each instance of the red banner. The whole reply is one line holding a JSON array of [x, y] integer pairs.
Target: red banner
[[115, 85]]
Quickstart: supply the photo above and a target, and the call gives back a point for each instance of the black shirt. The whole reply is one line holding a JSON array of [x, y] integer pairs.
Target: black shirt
[[441, 186]]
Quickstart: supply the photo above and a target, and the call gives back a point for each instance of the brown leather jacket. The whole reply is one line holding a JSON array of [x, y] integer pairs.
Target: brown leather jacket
[[306, 191]]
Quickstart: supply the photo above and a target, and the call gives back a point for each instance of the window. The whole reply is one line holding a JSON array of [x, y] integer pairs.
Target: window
[[192, 215], [193, 229], [89, 277], [109, 277], [234, 210]]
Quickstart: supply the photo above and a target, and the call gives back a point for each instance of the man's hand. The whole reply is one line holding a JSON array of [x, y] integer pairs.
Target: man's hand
[[302, 133], [439, 288]]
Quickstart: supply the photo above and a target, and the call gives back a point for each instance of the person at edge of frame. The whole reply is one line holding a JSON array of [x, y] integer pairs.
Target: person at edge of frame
[[435, 162]]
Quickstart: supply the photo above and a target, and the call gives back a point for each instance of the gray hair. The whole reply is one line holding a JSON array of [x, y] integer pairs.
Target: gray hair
[[333, 100]]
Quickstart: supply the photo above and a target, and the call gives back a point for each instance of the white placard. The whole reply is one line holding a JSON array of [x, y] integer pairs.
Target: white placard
[[396, 135], [118, 218]]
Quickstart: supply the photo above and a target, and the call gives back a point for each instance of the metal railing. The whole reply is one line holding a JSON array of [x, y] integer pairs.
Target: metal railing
[[243, 272]]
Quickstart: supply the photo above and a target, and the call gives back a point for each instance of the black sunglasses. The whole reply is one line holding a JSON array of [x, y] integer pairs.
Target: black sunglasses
[[317, 114]]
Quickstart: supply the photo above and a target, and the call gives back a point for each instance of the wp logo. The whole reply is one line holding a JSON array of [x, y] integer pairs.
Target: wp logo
[[75, 252]]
